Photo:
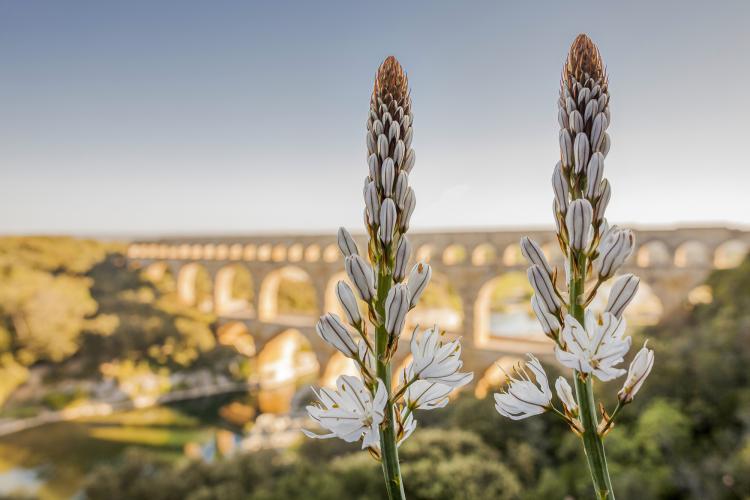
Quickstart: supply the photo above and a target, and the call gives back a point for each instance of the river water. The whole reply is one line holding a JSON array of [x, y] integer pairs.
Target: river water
[[52, 461]]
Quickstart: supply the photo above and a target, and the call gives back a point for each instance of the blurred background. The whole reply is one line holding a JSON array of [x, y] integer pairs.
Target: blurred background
[[173, 175]]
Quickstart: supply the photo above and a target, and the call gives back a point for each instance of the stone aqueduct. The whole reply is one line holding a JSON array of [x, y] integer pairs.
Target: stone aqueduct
[[670, 262]]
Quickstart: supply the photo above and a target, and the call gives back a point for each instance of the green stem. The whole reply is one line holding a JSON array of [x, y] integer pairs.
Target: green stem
[[592, 441], [388, 448]]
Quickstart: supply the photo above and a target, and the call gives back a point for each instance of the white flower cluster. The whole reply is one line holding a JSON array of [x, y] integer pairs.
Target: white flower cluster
[[590, 245], [360, 408]]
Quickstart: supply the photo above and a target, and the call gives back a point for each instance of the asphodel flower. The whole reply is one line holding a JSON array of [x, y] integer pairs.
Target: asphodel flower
[[581, 196], [524, 397], [436, 360], [368, 409], [596, 348], [351, 412]]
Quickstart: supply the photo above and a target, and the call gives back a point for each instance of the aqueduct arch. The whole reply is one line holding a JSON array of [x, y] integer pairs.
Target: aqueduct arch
[[290, 280]]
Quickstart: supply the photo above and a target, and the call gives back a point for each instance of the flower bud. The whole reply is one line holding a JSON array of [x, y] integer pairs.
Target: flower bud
[[348, 303], [387, 221], [370, 142], [346, 243], [604, 148], [411, 157], [560, 187], [408, 136], [394, 131], [578, 223], [583, 96], [621, 294], [534, 254], [387, 174], [372, 203], [403, 252], [334, 331], [598, 128], [373, 163], [581, 150], [638, 370], [402, 187], [562, 118], [576, 121], [605, 193], [398, 153], [396, 307], [360, 273], [550, 323], [565, 393], [591, 109], [615, 247], [566, 149], [419, 278], [594, 173], [543, 287], [383, 146], [409, 203]]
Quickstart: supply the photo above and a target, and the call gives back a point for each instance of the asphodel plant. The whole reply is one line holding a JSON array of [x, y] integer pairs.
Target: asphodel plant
[[368, 408], [592, 344]]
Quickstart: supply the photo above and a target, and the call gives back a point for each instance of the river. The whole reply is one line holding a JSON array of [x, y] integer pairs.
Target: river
[[52, 461]]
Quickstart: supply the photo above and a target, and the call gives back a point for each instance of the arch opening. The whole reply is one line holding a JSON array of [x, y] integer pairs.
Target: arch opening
[[483, 254], [454, 254], [653, 254], [287, 295], [285, 363], [691, 254], [233, 292], [439, 305], [194, 287], [503, 310], [338, 365], [730, 254]]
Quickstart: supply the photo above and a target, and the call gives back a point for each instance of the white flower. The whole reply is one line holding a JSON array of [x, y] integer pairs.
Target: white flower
[[597, 348], [522, 397], [387, 221], [639, 369], [437, 361], [350, 413], [426, 395], [565, 393]]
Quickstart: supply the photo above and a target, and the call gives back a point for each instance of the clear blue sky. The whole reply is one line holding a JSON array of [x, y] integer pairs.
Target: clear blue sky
[[191, 116]]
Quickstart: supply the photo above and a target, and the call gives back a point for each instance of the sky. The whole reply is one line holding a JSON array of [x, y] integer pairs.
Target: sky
[[187, 117]]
